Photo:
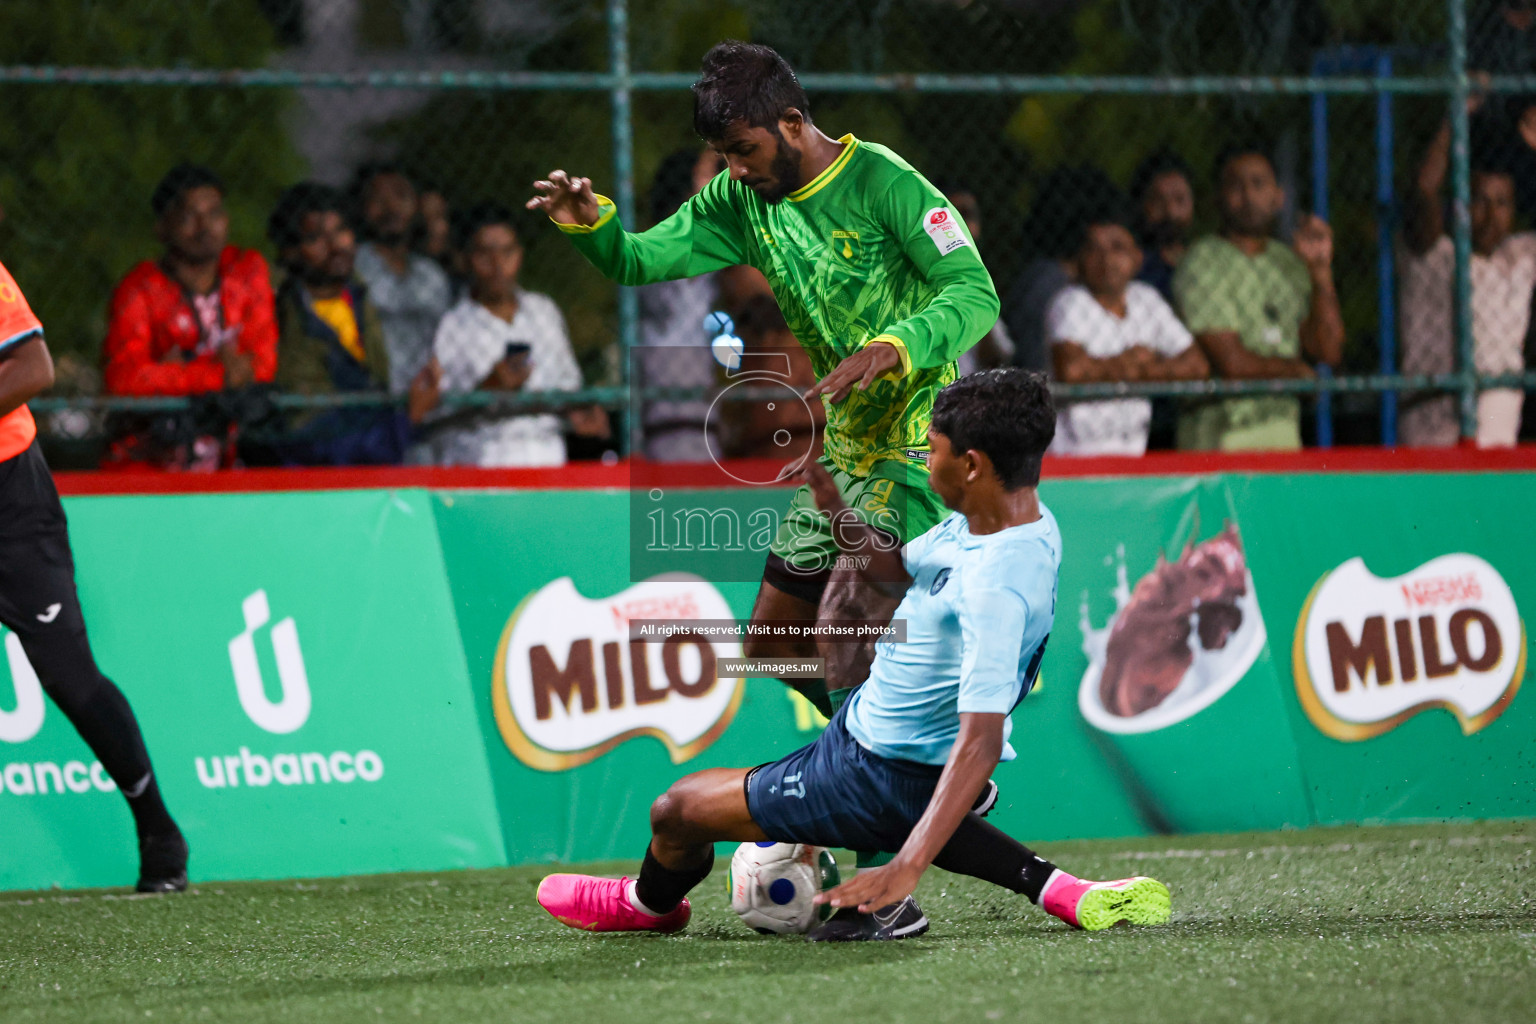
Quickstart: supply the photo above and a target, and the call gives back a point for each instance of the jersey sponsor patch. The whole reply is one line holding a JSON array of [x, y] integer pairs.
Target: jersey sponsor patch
[[943, 226]]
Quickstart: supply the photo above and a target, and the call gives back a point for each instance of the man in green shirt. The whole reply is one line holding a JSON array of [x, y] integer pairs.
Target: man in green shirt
[[878, 278], [1255, 305]]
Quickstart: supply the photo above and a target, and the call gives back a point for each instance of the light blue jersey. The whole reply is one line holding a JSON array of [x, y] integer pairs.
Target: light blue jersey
[[978, 614]]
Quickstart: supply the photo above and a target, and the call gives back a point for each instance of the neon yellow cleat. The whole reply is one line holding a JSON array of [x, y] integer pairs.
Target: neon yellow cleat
[[1094, 906]]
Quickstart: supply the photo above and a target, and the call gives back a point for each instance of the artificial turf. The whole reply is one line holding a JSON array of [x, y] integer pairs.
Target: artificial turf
[[1421, 923]]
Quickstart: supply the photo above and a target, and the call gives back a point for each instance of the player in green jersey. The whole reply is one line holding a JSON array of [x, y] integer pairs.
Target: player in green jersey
[[879, 280]]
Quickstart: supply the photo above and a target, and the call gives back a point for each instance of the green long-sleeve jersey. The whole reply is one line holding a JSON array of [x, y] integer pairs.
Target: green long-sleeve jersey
[[867, 251]]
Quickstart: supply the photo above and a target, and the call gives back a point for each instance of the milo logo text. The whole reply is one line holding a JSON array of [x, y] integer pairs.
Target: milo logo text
[[1371, 652], [570, 685]]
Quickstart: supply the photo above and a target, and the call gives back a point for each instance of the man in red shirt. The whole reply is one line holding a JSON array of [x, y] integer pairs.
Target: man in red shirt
[[39, 604], [198, 319]]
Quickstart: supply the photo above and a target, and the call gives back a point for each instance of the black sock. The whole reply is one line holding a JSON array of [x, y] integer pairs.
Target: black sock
[[101, 715], [983, 851], [661, 889], [150, 816]]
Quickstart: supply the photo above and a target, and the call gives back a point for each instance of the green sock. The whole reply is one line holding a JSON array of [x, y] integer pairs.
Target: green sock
[[815, 691], [864, 859]]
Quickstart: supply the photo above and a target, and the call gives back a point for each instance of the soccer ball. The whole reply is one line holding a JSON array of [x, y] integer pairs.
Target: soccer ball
[[773, 884]]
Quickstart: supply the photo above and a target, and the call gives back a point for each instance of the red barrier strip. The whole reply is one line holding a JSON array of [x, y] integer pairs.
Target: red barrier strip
[[638, 473]]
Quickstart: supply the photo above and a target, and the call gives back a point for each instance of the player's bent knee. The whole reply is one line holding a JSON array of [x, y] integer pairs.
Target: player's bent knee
[[669, 812]]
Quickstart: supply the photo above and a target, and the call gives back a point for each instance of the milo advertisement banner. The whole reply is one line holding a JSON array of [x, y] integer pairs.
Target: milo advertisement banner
[[1176, 667], [384, 680], [293, 664]]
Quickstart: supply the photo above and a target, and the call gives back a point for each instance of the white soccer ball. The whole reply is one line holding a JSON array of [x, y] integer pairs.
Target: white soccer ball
[[773, 884]]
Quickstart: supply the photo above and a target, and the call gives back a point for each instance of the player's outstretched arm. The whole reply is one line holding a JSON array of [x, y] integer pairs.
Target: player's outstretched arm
[[26, 371], [884, 568], [971, 762], [705, 234]]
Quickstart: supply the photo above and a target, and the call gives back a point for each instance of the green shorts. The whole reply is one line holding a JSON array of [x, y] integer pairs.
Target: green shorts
[[895, 497]]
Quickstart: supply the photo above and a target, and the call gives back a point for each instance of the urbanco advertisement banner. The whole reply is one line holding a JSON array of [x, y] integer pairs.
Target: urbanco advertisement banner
[[294, 665]]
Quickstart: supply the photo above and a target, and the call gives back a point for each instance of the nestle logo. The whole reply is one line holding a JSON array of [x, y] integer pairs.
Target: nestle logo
[[683, 606], [1426, 593]]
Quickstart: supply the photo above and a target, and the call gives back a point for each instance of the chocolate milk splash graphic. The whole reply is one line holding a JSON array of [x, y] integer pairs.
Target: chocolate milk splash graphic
[[1184, 635]]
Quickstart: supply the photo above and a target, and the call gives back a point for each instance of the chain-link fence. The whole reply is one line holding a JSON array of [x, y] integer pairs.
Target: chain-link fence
[[1217, 223]]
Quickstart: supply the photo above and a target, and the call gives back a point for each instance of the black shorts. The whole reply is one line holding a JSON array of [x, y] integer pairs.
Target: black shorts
[[37, 571]]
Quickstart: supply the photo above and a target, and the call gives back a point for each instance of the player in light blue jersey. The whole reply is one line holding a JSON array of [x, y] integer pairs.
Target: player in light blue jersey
[[902, 763]]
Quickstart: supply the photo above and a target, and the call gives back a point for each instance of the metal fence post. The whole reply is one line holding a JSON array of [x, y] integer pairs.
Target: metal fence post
[[624, 199], [1461, 222]]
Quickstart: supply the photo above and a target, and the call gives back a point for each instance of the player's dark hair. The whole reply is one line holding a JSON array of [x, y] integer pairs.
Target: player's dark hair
[[483, 214], [1161, 161], [180, 180], [285, 225], [1243, 145], [744, 82], [1007, 414]]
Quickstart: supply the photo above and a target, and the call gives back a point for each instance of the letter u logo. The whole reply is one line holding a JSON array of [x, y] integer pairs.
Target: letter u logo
[[292, 711], [22, 724]]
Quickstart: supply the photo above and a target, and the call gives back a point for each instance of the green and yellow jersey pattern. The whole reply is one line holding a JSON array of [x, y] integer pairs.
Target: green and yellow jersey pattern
[[867, 251]]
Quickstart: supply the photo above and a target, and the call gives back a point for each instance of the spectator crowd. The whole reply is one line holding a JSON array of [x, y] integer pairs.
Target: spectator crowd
[[380, 288]]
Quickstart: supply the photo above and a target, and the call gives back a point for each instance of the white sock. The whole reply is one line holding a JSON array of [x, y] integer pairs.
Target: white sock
[[634, 901], [1058, 873]]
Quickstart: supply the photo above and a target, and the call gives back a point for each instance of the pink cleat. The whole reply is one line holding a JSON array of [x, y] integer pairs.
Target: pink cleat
[[1093, 906], [602, 905]]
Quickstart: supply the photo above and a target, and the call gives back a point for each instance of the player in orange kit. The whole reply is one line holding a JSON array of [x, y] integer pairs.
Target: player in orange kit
[[39, 604]]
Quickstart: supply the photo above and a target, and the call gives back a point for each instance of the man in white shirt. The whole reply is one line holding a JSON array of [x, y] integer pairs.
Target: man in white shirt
[[1110, 327], [501, 338], [1503, 274]]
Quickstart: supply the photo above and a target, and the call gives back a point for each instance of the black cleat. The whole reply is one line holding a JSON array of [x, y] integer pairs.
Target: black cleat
[[986, 801], [163, 863], [904, 920]]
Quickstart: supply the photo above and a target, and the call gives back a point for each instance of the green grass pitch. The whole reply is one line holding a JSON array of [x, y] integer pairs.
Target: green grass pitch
[[1422, 923]]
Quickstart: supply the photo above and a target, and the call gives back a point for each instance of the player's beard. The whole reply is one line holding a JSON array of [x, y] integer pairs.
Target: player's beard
[[785, 173]]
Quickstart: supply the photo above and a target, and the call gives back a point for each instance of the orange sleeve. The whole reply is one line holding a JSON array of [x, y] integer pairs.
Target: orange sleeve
[[17, 320], [129, 366]]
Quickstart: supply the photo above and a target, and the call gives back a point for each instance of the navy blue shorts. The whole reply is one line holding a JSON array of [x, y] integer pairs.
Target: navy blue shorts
[[836, 793]]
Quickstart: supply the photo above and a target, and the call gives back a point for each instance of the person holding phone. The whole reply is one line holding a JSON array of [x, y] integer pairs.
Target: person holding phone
[[502, 338]]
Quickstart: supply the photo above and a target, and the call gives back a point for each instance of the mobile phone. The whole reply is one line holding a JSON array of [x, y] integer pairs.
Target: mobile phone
[[517, 350]]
